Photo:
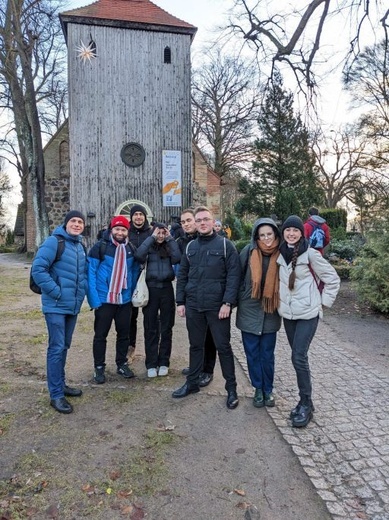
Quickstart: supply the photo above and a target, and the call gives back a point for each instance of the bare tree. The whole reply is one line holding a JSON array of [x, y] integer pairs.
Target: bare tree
[[225, 104], [344, 161], [293, 35], [31, 63]]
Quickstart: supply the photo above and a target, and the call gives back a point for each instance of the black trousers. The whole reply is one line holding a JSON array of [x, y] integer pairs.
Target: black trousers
[[133, 326], [300, 334], [197, 324], [104, 315], [158, 322], [209, 353]]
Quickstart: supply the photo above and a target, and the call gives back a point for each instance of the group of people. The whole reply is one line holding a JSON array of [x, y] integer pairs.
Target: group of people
[[276, 276]]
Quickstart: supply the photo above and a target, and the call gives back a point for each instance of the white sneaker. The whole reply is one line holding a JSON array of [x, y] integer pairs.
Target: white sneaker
[[163, 371], [152, 372]]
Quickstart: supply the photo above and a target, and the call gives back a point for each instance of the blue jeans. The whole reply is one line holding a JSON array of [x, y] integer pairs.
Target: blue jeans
[[260, 359], [300, 335], [60, 328]]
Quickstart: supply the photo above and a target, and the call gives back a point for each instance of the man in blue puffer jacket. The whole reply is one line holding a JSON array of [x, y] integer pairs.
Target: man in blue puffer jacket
[[63, 284], [112, 276]]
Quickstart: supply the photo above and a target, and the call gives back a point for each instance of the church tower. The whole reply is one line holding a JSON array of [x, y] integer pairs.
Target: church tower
[[129, 109]]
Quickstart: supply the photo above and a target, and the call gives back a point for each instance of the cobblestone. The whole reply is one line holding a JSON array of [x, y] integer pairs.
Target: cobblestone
[[345, 448]]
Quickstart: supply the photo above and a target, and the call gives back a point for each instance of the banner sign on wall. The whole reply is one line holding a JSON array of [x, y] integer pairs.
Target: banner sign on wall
[[171, 178]]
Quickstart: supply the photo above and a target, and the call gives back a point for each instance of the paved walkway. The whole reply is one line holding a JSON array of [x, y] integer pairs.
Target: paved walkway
[[345, 449]]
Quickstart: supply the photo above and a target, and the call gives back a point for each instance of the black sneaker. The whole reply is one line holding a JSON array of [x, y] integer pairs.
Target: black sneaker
[[99, 375], [125, 371]]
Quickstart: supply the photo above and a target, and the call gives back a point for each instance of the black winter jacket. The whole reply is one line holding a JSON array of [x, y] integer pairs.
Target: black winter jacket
[[184, 240], [159, 270], [138, 236], [209, 274]]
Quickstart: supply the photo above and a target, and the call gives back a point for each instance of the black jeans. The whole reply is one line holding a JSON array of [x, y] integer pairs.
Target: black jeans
[[197, 324], [121, 315], [300, 334], [133, 326], [209, 353], [158, 322]]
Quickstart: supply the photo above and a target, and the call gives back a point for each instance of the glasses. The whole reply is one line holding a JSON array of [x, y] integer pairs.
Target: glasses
[[266, 236], [200, 220]]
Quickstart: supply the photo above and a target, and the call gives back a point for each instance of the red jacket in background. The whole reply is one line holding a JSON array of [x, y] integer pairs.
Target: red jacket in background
[[310, 225]]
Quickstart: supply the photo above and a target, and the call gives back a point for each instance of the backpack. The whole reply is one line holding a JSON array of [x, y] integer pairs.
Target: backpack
[[317, 238], [60, 249]]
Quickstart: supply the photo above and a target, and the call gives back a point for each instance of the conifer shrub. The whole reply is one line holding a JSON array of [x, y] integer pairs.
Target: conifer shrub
[[370, 273]]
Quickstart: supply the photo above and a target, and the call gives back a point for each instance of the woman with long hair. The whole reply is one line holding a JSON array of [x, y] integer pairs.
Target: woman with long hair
[[307, 283]]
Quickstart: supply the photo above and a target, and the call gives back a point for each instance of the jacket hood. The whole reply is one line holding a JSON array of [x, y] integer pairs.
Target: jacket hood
[[317, 219], [262, 222]]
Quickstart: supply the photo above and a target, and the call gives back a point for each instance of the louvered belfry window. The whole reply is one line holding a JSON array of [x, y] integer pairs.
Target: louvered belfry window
[[167, 55]]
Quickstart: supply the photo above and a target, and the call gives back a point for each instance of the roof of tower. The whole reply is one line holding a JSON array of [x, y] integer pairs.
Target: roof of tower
[[135, 14]]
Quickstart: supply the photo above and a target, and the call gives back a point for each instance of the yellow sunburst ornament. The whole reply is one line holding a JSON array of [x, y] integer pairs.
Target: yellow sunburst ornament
[[86, 52]]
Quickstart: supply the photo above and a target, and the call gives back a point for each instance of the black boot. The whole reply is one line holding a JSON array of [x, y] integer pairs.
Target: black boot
[[304, 414], [294, 411]]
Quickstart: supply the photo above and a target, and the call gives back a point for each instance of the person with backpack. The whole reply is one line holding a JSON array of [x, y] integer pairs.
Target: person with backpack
[[62, 280], [207, 288], [317, 231], [112, 276], [257, 315], [302, 297]]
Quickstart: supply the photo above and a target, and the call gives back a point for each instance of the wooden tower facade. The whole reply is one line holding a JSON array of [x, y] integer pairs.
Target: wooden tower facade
[[129, 109]]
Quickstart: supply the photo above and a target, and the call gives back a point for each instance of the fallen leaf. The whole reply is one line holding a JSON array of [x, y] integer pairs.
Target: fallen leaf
[[114, 475], [138, 514], [52, 511], [108, 491], [126, 510], [86, 487], [124, 494], [243, 505], [240, 492]]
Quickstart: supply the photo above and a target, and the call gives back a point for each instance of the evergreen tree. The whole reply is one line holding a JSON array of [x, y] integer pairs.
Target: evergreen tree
[[283, 179]]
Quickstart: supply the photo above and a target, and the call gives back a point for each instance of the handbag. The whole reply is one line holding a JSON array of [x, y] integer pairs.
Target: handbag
[[140, 296]]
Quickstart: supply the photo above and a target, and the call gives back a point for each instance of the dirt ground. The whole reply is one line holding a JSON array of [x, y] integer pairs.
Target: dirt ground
[[131, 451]]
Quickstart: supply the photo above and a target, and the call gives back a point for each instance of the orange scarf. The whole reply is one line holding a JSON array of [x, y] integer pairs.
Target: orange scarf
[[270, 296]]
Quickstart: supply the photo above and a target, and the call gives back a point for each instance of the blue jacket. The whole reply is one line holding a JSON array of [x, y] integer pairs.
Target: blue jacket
[[100, 271], [63, 283]]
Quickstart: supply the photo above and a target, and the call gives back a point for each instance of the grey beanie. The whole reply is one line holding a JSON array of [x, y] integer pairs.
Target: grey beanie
[[72, 214], [293, 221]]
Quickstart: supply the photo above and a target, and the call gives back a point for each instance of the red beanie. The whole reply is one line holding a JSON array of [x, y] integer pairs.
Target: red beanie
[[120, 220]]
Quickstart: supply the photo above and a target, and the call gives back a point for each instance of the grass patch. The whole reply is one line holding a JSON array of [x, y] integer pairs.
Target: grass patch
[[145, 473], [124, 396], [6, 422], [37, 340]]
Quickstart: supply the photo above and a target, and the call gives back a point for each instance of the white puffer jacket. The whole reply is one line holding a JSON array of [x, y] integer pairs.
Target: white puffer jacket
[[305, 302]]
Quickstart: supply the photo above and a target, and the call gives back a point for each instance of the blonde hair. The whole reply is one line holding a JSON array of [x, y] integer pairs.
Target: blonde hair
[[202, 208]]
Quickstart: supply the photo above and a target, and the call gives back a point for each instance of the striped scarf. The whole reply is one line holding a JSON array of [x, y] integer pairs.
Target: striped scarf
[[119, 274]]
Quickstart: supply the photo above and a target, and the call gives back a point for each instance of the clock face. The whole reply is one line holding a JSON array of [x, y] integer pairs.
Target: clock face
[[132, 154]]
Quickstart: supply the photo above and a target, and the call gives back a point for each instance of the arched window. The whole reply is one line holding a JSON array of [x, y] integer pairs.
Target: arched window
[[167, 55]]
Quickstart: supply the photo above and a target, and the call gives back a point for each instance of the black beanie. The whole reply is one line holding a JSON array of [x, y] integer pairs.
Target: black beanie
[[73, 213], [136, 208], [293, 221]]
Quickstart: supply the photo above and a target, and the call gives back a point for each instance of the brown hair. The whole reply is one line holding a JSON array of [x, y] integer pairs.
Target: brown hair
[[188, 210], [292, 277]]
